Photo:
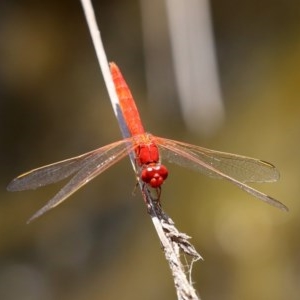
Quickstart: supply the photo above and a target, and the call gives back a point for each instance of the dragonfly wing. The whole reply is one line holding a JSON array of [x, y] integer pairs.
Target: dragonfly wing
[[57, 171], [49, 174], [216, 163], [211, 163], [97, 163]]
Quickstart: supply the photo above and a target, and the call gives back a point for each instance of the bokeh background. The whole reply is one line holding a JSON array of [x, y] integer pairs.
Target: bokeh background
[[100, 244]]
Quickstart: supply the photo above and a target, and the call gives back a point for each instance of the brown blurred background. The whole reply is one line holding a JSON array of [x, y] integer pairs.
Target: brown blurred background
[[100, 244]]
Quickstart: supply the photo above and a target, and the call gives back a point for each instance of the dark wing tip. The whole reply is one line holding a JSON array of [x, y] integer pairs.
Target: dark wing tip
[[284, 208], [277, 204], [13, 186], [37, 214]]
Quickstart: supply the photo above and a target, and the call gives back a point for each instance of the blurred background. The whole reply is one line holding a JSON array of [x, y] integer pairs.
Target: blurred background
[[220, 74]]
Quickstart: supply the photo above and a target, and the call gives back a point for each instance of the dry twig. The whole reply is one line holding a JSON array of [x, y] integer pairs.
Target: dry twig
[[173, 242]]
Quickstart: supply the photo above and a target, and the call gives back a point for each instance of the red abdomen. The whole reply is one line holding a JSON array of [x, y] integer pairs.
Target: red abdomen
[[128, 107]]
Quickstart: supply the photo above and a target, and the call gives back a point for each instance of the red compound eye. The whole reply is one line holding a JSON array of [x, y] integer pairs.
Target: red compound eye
[[154, 175]]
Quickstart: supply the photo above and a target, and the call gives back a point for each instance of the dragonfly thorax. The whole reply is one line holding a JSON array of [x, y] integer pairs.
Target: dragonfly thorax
[[147, 154], [154, 174]]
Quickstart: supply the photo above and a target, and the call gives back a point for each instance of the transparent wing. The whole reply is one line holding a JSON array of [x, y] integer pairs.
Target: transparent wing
[[242, 168], [234, 168], [50, 173], [85, 167]]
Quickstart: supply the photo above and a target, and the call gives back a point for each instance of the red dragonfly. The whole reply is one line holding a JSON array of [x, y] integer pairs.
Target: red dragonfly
[[148, 150]]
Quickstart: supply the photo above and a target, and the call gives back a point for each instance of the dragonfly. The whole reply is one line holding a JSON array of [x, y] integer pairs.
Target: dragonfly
[[148, 150]]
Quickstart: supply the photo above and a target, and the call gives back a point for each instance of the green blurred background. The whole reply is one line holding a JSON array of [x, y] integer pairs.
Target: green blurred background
[[101, 244]]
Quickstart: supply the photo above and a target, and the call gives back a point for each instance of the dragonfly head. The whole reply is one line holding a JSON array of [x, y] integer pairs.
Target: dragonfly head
[[154, 175]]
